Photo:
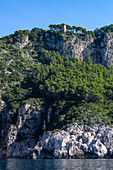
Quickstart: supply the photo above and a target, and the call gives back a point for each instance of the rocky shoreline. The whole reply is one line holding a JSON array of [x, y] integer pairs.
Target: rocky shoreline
[[28, 139], [76, 141]]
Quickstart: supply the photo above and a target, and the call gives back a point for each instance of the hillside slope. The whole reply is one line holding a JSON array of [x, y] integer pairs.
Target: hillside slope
[[51, 79]]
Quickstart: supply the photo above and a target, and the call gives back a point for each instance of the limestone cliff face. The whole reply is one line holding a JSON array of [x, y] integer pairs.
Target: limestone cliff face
[[70, 44], [22, 136], [76, 45], [77, 141], [20, 131], [80, 46], [106, 48]]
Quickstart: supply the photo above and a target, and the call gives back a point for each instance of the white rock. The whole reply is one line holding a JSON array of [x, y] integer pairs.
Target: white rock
[[98, 148]]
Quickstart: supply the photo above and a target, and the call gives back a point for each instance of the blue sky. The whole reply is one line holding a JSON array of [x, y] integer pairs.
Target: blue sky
[[27, 14]]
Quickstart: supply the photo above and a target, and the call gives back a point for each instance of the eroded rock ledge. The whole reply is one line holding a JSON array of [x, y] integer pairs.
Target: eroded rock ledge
[[77, 141]]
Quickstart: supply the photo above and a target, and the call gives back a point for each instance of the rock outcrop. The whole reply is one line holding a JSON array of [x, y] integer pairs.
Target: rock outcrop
[[24, 41], [75, 45], [22, 135], [25, 138], [80, 46], [77, 141], [70, 45], [22, 130], [19, 131]]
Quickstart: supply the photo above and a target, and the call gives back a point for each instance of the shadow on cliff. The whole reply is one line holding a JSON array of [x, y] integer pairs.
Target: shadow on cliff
[[3, 128], [34, 123], [94, 50]]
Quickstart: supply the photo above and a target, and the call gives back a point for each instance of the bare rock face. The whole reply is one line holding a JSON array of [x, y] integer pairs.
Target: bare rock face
[[100, 50], [97, 148], [12, 134], [71, 45], [24, 41], [106, 47], [23, 140], [21, 149], [77, 141], [21, 137], [3, 127]]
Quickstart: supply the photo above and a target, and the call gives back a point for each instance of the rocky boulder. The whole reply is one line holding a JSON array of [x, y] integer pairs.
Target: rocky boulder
[[77, 141]]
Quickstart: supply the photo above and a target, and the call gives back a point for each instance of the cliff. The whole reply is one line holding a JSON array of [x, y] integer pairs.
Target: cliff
[[77, 45], [80, 46], [24, 139], [56, 94], [77, 142]]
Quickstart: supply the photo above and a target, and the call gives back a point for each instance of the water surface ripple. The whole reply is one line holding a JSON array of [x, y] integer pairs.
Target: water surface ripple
[[56, 164]]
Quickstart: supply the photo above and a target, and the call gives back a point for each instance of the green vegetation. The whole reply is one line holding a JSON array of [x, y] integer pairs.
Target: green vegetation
[[71, 90], [72, 29], [102, 31]]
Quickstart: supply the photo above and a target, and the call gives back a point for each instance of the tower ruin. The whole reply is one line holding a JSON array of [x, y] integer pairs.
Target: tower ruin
[[64, 28]]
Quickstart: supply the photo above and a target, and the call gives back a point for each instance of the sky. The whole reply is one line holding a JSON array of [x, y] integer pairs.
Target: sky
[[27, 14]]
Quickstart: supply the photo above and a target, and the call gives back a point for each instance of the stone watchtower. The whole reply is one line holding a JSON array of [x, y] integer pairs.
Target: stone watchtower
[[64, 28]]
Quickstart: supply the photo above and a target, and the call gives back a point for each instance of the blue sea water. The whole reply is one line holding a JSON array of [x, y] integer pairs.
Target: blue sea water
[[56, 164]]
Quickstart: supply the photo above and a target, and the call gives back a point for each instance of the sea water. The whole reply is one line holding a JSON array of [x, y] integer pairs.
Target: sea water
[[56, 164]]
